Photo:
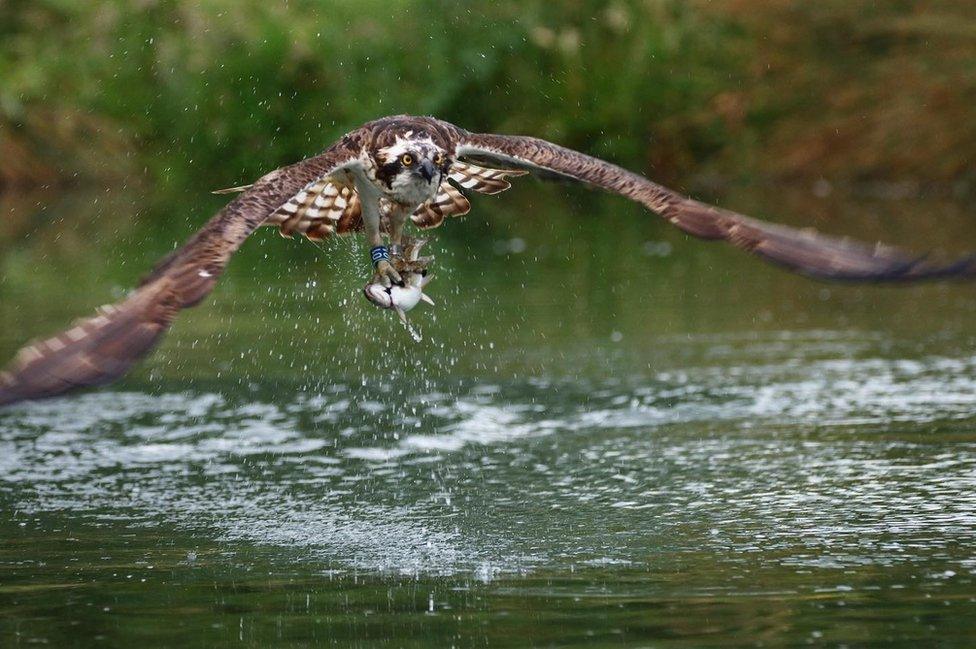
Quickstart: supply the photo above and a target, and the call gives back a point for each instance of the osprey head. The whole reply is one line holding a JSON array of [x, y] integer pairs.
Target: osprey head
[[411, 168]]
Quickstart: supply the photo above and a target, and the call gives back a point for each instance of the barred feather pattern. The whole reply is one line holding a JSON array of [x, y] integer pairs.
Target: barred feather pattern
[[448, 202], [314, 210], [324, 207], [482, 179], [351, 219], [92, 351]]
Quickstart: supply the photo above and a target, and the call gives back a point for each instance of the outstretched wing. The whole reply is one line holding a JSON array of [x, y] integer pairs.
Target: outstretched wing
[[803, 251], [103, 348]]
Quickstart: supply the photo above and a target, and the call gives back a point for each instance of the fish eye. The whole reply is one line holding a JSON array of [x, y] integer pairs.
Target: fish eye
[[406, 159]]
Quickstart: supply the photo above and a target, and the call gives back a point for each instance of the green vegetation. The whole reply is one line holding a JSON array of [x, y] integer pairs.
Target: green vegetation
[[178, 92]]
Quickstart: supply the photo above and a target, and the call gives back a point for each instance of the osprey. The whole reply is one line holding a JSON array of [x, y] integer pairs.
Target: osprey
[[373, 180]]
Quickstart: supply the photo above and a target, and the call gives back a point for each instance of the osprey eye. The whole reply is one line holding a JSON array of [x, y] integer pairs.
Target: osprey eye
[[406, 159], [439, 159]]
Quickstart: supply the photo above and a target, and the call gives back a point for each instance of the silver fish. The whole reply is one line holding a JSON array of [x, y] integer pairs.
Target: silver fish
[[402, 298]]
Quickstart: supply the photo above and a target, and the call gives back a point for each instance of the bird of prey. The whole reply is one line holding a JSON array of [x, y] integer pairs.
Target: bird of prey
[[375, 179]]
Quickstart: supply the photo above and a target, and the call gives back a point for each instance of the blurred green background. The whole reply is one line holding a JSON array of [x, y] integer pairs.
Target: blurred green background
[[747, 455], [178, 93]]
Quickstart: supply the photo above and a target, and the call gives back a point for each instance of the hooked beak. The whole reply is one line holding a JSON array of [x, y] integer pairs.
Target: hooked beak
[[427, 170]]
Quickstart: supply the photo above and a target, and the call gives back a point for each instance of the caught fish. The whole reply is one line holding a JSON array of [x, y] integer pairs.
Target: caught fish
[[405, 296]]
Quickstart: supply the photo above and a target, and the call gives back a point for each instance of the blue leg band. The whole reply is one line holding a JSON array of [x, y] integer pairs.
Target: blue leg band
[[378, 254]]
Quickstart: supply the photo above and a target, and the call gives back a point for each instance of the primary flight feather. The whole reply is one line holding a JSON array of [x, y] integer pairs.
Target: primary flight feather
[[377, 178]]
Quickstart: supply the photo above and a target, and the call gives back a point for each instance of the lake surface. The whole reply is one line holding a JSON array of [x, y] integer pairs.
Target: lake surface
[[611, 435]]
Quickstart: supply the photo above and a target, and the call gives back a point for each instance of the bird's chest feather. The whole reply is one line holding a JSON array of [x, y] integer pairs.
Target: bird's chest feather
[[411, 190]]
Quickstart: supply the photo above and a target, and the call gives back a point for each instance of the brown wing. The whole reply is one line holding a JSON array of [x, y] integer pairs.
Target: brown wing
[[803, 251], [482, 179], [314, 209], [322, 208], [448, 202], [103, 348]]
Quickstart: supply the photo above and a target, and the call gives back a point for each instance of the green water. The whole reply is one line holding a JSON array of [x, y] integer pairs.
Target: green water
[[611, 435]]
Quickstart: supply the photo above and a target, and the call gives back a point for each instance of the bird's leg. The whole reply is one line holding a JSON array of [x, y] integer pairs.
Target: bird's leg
[[380, 255], [397, 219], [378, 252]]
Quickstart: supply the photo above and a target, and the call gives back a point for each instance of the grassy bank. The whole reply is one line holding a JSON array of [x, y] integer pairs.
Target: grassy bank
[[178, 92]]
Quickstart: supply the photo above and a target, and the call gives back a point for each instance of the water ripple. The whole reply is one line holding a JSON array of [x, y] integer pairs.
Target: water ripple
[[830, 462]]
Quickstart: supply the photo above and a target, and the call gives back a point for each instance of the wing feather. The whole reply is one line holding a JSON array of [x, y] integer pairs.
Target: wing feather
[[351, 219], [317, 210], [804, 251], [102, 348], [448, 202], [482, 179]]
